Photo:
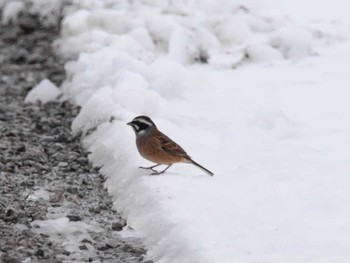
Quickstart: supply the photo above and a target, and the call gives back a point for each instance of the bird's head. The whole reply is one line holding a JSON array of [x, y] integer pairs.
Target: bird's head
[[141, 125]]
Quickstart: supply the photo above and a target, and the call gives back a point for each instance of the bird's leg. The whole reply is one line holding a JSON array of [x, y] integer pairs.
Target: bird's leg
[[150, 168], [157, 173]]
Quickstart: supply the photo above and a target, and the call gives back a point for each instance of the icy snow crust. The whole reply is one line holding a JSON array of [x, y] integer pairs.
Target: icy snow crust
[[268, 113]]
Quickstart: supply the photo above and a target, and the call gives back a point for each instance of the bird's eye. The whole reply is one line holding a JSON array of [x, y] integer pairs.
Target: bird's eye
[[141, 125]]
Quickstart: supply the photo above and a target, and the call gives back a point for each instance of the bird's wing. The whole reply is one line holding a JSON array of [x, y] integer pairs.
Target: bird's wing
[[169, 146]]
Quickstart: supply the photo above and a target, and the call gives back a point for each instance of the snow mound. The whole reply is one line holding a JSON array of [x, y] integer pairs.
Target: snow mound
[[45, 91]]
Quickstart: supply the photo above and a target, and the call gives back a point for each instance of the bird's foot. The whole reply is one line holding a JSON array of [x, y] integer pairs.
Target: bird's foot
[[156, 172], [149, 168]]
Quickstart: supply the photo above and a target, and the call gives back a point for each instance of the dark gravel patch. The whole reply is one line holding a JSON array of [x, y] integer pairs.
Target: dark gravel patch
[[44, 171]]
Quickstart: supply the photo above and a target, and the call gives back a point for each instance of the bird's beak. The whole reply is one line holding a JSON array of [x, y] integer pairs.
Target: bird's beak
[[129, 123]]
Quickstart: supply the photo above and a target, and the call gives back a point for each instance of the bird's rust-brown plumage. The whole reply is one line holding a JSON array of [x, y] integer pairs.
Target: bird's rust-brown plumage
[[159, 148]]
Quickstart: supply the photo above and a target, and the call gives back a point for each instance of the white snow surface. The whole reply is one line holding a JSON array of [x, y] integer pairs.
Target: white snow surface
[[268, 113]]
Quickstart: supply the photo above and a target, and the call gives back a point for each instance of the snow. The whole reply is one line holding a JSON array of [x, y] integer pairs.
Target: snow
[[292, 42], [268, 114], [39, 194], [68, 233], [45, 91], [325, 10]]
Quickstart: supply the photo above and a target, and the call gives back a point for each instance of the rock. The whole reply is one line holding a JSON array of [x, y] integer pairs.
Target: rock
[[57, 197], [20, 56], [118, 226], [12, 36], [62, 138], [20, 148], [35, 58], [72, 190], [74, 218], [30, 183], [56, 147], [82, 160], [83, 247], [86, 241], [95, 210], [63, 164], [40, 253], [3, 180], [133, 249], [74, 167], [104, 247], [28, 23]]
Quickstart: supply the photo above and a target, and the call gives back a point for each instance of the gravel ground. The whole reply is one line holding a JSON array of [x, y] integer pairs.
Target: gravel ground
[[44, 171]]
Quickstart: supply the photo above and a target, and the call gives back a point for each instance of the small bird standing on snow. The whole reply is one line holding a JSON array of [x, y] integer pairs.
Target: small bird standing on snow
[[156, 147]]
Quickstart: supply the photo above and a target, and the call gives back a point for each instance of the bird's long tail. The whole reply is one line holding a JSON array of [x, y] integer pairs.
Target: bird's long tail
[[200, 166]]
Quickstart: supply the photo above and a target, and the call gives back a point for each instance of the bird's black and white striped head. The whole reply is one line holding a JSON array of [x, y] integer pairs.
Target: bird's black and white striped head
[[141, 124]]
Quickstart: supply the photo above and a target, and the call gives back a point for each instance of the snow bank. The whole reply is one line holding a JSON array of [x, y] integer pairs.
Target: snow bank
[[278, 154]]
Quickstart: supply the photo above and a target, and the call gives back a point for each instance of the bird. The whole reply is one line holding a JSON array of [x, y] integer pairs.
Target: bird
[[158, 148]]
